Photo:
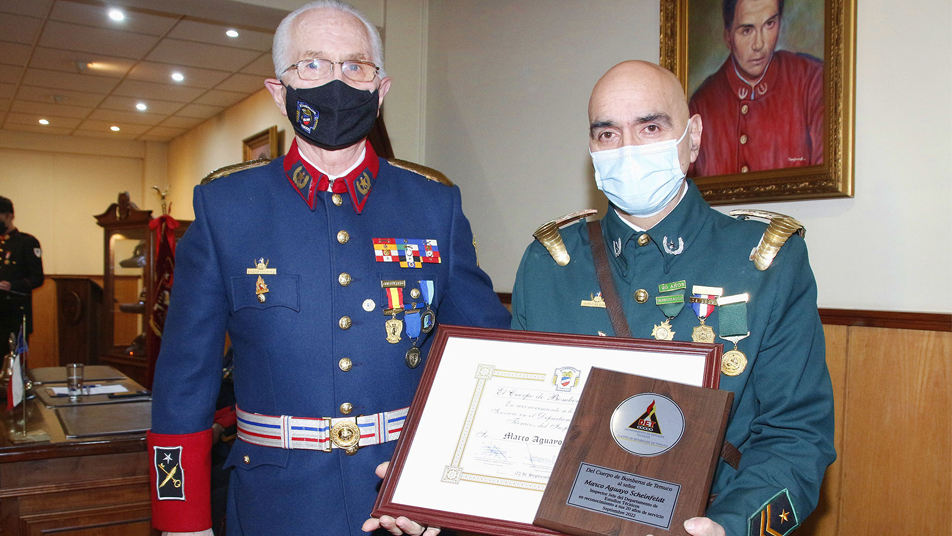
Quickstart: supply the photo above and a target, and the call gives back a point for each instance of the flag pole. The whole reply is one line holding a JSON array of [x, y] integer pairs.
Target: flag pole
[[23, 375]]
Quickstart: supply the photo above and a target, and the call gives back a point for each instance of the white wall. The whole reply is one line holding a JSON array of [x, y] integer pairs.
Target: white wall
[[217, 143], [507, 94], [507, 89], [58, 184]]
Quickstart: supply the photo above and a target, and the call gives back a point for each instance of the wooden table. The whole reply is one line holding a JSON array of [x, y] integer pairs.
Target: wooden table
[[95, 486]]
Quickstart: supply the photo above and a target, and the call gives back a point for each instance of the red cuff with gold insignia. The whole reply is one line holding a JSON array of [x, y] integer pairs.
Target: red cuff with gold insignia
[[181, 481]]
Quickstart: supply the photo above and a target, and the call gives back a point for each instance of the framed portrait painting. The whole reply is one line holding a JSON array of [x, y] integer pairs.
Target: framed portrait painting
[[261, 145], [773, 83]]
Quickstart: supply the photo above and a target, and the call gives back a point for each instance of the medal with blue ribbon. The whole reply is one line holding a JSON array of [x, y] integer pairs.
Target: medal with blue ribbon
[[413, 321], [428, 317], [732, 321]]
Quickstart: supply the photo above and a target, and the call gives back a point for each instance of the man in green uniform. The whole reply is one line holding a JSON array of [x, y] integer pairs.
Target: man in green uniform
[[21, 271], [683, 272]]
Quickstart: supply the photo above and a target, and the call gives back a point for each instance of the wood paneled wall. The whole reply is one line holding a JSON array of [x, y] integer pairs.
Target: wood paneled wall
[[893, 396]]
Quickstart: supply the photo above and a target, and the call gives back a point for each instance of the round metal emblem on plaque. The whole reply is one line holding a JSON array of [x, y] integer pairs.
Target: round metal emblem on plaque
[[647, 424]]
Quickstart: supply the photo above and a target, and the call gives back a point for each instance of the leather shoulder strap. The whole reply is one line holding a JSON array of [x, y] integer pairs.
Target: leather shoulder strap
[[605, 281]]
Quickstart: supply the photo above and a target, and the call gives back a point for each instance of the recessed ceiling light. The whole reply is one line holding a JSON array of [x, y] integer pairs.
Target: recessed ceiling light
[[44, 122], [141, 107], [178, 77], [116, 15], [232, 33], [114, 128]]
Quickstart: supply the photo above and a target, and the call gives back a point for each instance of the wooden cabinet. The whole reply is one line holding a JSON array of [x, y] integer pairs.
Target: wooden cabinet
[[129, 247]]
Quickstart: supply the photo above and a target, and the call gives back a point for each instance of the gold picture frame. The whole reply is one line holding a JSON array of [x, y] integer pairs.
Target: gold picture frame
[[833, 177], [261, 145]]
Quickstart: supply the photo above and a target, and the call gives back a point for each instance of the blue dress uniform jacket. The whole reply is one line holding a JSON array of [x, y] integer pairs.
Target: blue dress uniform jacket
[[288, 349], [782, 414]]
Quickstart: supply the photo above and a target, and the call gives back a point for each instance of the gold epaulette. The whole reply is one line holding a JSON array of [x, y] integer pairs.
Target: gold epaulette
[[427, 172], [548, 235], [228, 170], [778, 231]]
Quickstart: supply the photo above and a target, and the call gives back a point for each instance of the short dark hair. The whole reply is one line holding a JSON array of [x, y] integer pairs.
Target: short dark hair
[[730, 6], [6, 206]]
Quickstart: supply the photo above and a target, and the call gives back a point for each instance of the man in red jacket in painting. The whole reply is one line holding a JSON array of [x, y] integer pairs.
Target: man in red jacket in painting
[[763, 109]]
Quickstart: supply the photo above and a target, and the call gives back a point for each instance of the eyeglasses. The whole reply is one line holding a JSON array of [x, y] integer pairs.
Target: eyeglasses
[[319, 69]]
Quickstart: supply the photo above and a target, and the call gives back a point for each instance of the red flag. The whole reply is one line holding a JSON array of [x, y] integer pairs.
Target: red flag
[[163, 269]]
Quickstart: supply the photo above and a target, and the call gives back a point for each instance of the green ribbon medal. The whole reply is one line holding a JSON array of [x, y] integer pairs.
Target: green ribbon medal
[[671, 305], [732, 321]]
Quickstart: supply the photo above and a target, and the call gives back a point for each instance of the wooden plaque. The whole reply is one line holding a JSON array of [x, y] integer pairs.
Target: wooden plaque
[[491, 412], [638, 458]]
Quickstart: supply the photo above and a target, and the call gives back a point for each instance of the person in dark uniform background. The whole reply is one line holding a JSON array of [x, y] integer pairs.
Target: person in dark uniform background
[[21, 271], [330, 269], [686, 272]]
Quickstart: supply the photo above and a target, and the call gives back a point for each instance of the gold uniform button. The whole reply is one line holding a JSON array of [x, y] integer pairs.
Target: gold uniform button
[[346, 408], [345, 364], [246, 459], [743, 109], [344, 322], [343, 237], [743, 139], [337, 199], [641, 295], [415, 293], [643, 240], [744, 169], [344, 279]]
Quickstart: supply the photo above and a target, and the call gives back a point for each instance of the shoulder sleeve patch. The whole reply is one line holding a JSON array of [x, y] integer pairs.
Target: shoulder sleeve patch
[[548, 235], [779, 229], [228, 170], [427, 172], [776, 517]]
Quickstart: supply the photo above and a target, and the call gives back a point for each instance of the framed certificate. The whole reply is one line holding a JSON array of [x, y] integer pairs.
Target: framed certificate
[[491, 413]]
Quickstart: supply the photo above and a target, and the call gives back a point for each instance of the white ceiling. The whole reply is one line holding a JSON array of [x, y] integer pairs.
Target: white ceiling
[[67, 62]]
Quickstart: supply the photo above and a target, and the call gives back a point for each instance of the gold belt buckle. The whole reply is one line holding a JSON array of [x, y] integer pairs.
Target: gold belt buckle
[[346, 435]]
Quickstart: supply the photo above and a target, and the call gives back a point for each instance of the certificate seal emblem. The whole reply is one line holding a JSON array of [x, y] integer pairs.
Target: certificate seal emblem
[[647, 424]]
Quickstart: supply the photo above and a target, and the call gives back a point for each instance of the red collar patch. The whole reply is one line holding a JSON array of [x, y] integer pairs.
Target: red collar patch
[[308, 180]]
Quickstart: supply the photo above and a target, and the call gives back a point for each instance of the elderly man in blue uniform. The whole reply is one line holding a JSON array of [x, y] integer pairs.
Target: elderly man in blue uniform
[[669, 249], [329, 270]]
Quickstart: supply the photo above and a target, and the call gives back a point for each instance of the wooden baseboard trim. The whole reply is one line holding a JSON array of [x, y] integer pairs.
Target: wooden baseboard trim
[[856, 317]]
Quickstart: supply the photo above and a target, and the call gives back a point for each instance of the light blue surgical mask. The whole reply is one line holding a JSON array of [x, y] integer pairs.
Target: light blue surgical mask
[[640, 179]]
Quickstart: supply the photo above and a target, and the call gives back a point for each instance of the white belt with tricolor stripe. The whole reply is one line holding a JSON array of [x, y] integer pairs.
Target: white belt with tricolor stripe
[[324, 434]]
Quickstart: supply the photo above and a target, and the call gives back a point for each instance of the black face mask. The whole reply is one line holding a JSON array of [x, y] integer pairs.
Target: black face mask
[[332, 116]]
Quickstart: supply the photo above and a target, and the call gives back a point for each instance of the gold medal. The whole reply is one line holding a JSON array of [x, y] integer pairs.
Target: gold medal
[[664, 331], [734, 362], [413, 357], [394, 328], [703, 333]]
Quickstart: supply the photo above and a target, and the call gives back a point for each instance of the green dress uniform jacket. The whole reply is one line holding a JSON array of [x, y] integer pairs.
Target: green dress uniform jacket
[[782, 414]]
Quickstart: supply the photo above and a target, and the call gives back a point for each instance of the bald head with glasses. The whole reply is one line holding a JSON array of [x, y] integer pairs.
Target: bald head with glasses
[[330, 81]]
